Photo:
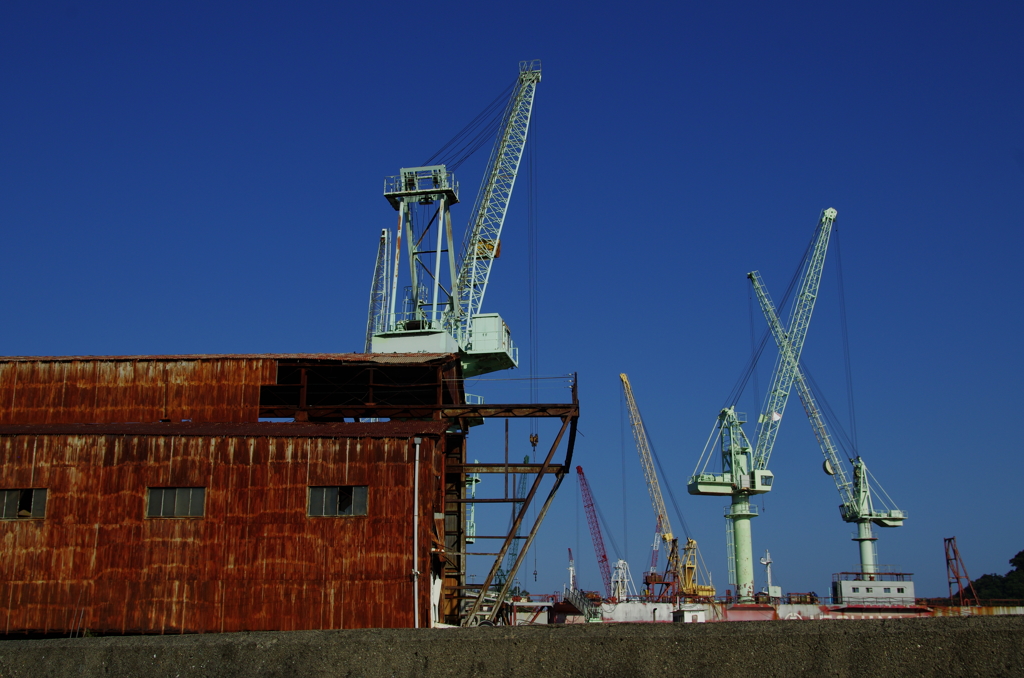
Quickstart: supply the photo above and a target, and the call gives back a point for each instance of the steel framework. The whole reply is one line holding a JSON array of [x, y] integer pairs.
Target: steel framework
[[483, 605], [956, 573]]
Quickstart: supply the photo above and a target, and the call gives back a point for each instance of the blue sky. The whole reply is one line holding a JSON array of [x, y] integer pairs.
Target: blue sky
[[187, 178]]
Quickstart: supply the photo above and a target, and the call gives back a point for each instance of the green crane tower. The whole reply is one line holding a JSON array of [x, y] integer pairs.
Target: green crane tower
[[745, 469]]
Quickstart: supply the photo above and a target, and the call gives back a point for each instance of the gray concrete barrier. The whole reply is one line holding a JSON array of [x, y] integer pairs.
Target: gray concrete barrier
[[971, 646]]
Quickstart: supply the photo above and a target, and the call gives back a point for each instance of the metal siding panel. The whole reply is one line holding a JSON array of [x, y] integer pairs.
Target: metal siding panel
[[113, 390], [255, 562]]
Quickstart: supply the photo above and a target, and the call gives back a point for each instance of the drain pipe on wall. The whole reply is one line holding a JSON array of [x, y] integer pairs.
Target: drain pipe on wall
[[416, 536]]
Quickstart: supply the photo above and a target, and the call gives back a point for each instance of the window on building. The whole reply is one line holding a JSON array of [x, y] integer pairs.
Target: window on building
[[345, 500], [176, 502], [869, 590], [899, 590], [856, 589], [28, 503], [887, 590]]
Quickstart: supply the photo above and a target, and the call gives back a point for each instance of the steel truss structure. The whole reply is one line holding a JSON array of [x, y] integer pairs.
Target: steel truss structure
[[486, 603], [482, 242]]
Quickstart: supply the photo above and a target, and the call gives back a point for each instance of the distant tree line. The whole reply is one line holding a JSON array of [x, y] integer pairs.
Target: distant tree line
[[1010, 585]]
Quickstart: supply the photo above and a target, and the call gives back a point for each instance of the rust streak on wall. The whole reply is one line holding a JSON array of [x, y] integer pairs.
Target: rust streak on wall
[[127, 389], [255, 561]]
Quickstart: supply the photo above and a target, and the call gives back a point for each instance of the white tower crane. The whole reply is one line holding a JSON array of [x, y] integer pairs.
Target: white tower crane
[[433, 318], [745, 470], [858, 504]]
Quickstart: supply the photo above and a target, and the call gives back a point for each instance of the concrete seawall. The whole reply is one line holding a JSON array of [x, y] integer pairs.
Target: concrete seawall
[[970, 646]]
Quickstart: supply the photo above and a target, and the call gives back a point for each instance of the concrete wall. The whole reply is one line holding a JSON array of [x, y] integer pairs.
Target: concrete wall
[[973, 646]]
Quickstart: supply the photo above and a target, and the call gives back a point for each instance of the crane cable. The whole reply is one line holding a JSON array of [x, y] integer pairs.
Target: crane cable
[[741, 383], [532, 266], [474, 135], [846, 339]]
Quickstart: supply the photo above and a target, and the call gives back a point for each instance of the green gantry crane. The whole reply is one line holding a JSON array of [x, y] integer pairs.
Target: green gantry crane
[[858, 499], [745, 469]]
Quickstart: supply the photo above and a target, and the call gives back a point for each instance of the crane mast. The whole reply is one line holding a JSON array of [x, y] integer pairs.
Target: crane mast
[[440, 319], [595, 532], [683, 569], [857, 504], [745, 468]]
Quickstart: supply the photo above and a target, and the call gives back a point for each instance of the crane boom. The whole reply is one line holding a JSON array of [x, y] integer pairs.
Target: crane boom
[[482, 242], [595, 533], [379, 289], [643, 447], [799, 321], [684, 569], [856, 497], [821, 431]]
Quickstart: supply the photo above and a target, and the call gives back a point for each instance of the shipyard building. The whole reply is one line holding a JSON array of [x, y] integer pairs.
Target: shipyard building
[[157, 494]]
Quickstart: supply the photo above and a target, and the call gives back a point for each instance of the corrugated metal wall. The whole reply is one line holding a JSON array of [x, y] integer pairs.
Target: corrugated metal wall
[[255, 561], [126, 389]]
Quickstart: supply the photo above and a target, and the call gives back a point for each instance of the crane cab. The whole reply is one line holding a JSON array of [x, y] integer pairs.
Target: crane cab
[[490, 346], [757, 482]]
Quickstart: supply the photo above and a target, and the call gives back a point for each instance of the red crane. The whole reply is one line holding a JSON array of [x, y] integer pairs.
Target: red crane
[[956, 573], [595, 532]]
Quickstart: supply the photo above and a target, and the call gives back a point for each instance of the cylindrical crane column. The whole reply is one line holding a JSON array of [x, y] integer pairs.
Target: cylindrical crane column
[[867, 546], [740, 513]]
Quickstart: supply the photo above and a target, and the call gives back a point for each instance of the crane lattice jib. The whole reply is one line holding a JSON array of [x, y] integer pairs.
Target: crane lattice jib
[[647, 462], [800, 319], [821, 432], [595, 532], [378, 289], [643, 447], [481, 245]]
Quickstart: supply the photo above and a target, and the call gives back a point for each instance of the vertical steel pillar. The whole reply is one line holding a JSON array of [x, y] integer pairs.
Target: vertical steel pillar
[[442, 210], [416, 536], [867, 546], [740, 513]]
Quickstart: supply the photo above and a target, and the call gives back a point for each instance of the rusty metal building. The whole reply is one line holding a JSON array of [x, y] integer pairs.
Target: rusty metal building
[[93, 451]]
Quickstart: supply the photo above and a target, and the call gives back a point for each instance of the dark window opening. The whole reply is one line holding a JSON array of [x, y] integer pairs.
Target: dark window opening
[[345, 500], [26, 503], [176, 502]]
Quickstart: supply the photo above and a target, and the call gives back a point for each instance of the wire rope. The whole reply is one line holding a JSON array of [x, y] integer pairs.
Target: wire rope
[[474, 135], [846, 341], [751, 365]]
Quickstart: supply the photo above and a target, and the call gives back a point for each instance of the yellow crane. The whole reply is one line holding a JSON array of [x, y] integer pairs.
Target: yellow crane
[[683, 569]]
